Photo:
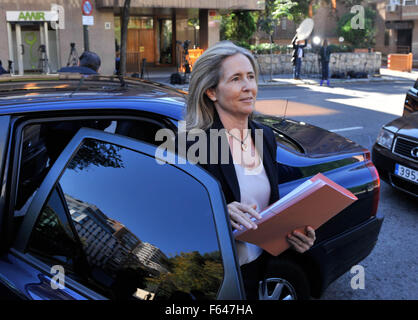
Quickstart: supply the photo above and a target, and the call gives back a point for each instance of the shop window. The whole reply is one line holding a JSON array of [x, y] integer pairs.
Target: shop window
[[141, 23]]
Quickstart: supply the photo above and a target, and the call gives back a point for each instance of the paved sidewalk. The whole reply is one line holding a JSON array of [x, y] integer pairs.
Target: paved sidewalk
[[162, 75]]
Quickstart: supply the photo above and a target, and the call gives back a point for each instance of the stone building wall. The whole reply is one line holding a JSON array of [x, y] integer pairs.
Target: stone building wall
[[339, 62]]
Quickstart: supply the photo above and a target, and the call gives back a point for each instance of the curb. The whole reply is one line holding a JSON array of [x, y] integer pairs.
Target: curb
[[314, 82], [269, 84]]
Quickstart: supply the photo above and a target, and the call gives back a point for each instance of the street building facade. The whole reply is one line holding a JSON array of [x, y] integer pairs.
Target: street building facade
[[397, 27], [109, 245], [40, 33]]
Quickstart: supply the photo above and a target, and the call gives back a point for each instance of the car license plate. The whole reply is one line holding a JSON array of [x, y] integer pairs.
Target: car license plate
[[406, 173]]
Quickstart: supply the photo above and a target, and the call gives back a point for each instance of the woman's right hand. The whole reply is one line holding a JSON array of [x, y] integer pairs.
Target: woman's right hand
[[240, 215]]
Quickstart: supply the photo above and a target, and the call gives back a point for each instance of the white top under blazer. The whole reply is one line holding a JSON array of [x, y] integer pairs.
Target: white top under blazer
[[255, 189]]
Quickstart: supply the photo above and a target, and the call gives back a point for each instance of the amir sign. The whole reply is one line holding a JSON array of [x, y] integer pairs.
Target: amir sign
[[31, 16]]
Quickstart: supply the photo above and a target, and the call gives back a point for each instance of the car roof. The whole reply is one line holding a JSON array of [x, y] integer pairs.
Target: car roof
[[75, 91]]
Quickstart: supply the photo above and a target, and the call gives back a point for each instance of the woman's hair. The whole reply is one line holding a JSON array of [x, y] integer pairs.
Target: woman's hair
[[205, 75]]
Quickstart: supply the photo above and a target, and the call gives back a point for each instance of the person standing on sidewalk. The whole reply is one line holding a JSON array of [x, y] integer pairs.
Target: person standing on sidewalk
[[222, 95], [298, 54], [324, 55]]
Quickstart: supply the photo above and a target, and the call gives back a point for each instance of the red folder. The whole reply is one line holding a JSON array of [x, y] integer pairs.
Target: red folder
[[311, 204]]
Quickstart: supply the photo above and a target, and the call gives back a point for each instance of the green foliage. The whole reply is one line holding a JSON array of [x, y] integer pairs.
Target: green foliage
[[359, 38], [98, 154], [193, 22], [350, 3], [264, 48], [190, 272], [243, 44], [341, 48], [238, 26], [275, 10], [300, 11], [333, 48]]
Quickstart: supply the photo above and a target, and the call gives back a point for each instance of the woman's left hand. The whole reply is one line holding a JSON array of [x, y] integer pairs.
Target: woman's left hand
[[301, 242]]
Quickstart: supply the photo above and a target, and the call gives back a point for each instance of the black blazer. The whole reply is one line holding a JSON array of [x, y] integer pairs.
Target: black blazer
[[225, 173]]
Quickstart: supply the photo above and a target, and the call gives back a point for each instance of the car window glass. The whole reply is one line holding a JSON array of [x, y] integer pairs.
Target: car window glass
[[52, 240], [43, 143], [147, 230], [34, 163]]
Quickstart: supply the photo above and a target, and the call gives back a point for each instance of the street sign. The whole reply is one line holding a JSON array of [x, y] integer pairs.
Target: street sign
[[88, 20], [87, 8]]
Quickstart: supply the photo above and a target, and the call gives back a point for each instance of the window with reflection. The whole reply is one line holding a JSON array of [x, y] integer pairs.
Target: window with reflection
[[53, 241], [147, 230]]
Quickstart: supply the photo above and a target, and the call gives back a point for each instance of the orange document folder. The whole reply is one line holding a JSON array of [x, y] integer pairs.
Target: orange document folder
[[313, 203]]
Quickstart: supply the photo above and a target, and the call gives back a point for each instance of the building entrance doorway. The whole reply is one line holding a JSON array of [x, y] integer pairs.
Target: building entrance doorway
[[33, 47], [404, 41], [140, 43]]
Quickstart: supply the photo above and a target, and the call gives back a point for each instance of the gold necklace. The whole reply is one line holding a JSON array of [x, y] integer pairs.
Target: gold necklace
[[244, 146]]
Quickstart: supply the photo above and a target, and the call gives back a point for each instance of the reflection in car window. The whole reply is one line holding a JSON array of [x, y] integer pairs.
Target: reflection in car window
[[147, 230], [52, 239]]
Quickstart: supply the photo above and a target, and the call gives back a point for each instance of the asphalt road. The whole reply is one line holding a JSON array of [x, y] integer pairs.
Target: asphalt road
[[357, 111]]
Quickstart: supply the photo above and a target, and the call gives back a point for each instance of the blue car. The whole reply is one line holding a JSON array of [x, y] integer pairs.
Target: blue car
[[86, 211]]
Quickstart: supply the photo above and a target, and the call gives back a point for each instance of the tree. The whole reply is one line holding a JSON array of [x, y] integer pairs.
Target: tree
[[238, 26], [190, 272], [270, 19], [96, 153], [361, 37], [124, 36]]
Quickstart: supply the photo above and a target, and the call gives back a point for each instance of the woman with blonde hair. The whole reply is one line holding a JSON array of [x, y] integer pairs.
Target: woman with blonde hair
[[222, 94]]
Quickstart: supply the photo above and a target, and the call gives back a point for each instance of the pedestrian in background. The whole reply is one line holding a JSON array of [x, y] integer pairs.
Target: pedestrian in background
[[298, 54], [324, 56], [89, 63], [2, 71]]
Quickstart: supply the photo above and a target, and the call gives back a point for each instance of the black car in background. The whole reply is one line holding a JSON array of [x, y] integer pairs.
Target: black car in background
[[395, 153], [411, 100], [85, 200]]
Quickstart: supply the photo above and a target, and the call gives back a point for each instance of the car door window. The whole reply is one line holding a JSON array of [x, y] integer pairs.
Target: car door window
[[42, 143], [52, 239], [147, 231]]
